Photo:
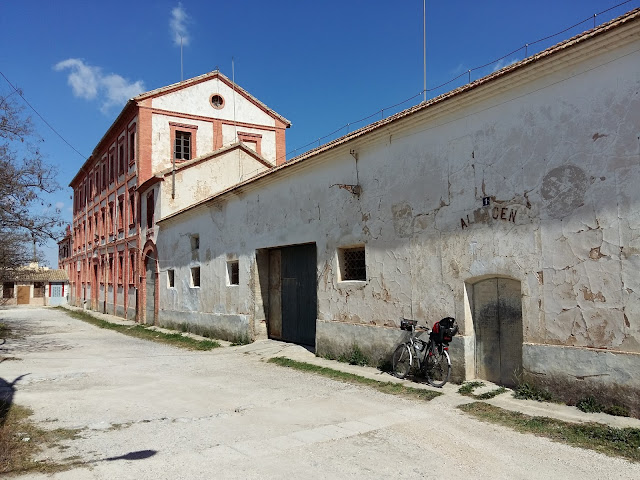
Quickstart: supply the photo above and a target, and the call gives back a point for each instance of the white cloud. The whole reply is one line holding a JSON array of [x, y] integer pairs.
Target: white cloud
[[178, 25], [60, 205], [83, 79], [504, 63], [90, 82]]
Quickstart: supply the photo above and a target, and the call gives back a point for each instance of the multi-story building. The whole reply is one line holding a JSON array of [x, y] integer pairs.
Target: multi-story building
[[206, 121]]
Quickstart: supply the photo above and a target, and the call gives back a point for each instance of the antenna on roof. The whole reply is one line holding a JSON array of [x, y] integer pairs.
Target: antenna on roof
[[233, 81], [424, 46], [181, 69]]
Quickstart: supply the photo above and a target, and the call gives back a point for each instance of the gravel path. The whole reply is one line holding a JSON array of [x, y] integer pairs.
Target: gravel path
[[150, 411]]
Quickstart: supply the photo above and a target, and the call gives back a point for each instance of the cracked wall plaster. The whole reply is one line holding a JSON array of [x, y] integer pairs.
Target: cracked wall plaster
[[563, 155]]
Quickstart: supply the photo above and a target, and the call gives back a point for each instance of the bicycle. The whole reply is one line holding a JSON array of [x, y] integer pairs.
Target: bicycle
[[430, 357]]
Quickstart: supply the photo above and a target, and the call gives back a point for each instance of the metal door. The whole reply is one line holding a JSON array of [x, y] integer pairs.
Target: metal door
[[150, 303], [497, 316], [56, 290], [24, 295], [299, 294]]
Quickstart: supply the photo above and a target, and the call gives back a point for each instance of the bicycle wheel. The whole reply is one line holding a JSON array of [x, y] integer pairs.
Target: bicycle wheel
[[438, 367], [401, 361]]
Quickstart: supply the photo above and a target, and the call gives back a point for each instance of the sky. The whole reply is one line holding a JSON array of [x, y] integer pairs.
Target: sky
[[324, 65]]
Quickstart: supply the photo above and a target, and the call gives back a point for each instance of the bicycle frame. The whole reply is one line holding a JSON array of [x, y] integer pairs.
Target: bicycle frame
[[426, 357]]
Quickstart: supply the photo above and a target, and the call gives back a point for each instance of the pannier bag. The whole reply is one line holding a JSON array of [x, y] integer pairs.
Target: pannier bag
[[444, 330]]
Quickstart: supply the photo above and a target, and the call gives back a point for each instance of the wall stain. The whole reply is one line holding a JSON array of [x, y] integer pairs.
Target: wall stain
[[593, 297], [597, 135], [563, 190]]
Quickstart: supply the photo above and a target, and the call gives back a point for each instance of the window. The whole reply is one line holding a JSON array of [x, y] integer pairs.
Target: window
[[120, 214], [195, 242], [216, 101], [171, 278], [121, 159], [103, 224], [132, 209], [104, 175], [132, 267], [352, 263], [7, 289], [150, 210], [182, 150], [251, 140], [132, 146], [233, 272], [112, 168], [120, 267], [110, 219], [195, 276], [38, 289]]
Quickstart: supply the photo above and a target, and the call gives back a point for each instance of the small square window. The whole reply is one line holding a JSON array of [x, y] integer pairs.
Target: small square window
[[170, 278], [195, 242], [352, 263], [195, 276], [233, 272]]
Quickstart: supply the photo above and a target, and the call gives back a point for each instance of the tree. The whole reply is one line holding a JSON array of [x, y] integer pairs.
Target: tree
[[25, 178]]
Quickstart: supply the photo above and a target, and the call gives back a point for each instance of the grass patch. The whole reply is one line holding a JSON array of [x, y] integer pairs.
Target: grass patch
[[146, 333], [590, 404], [354, 357], [391, 388], [467, 389], [530, 391], [21, 440], [619, 442], [490, 394]]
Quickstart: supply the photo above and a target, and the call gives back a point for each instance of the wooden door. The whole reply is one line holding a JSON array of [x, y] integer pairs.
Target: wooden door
[[24, 294], [497, 317]]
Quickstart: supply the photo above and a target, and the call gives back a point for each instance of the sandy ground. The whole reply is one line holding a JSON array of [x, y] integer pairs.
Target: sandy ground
[[149, 411]]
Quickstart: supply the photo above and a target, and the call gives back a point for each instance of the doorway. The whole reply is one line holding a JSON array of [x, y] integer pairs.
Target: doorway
[[24, 295], [497, 319], [292, 290], [150, 289]]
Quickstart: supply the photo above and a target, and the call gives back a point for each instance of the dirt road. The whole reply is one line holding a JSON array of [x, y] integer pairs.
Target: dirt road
[[150, 411]]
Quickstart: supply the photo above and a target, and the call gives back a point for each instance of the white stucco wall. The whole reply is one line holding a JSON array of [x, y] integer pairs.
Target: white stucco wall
[[559, 158], [202, 180], [195, 100], [161, 146], [268, 141]]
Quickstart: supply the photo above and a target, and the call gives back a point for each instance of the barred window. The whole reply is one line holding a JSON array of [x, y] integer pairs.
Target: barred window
[[171, 278], [352, 263]]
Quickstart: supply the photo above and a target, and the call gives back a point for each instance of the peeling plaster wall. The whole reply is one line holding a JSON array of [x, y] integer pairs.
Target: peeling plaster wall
[[558, 160], [268, 141], [204, 179]]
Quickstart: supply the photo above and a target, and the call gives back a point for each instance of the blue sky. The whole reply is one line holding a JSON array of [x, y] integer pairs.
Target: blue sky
[[322, 65]]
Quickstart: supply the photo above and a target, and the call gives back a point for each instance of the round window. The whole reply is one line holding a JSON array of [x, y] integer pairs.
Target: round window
[[216, 101]]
